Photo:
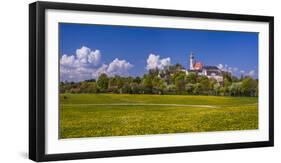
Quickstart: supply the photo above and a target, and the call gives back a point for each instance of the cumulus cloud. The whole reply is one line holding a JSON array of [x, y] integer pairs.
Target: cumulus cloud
[[97, 72], [94, 57], [67, 61], [84, 57], [86, 64], [118, 67], [153, 61]]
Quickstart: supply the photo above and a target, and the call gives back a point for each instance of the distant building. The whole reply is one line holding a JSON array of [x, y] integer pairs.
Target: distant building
[[212, 72]]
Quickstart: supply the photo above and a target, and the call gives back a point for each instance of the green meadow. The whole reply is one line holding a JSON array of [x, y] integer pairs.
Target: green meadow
[[98, 115]]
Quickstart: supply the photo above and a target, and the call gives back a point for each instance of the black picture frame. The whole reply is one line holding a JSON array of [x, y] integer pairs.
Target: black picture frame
[[37, 80]]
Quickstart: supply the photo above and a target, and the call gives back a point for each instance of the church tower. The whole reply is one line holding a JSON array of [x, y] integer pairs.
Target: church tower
[[191, 61]]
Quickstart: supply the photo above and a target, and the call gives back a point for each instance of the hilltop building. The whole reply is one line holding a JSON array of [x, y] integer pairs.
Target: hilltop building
[[212, 72]]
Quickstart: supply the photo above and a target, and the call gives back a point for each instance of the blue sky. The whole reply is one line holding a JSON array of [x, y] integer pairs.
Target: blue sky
[[120, 50]]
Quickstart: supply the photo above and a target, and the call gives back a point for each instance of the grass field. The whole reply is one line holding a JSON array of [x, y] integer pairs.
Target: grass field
[[95, 115]]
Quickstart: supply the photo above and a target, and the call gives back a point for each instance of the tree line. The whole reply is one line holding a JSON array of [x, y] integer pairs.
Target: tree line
[[171, 80]]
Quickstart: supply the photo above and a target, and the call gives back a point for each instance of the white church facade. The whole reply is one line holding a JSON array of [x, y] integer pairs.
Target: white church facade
[[212, 72]]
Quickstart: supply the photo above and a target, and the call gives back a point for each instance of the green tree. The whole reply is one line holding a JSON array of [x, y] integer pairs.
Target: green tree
[[153, 72], [137, 80], [126, 88], [102, 82], [191, 78], [197, 89], [172, 69], [158, 85], [249, 86], [180, 82], [226, 84], [216, 89], [120, 83], [147, 83], [189, 87], [93, 88], [171, 89], [205, 85], [235, 89], [112, 85], [212, 84], [135, 88]]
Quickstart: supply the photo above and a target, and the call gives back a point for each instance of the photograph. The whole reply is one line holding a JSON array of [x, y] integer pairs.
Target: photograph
[[129, 81], [113, 81]]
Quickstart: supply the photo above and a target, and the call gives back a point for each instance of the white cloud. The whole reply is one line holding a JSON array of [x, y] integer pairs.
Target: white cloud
[[251, 73], [165, 62], [86, 64], [82, 54], [97, 72], [224, 67], [117, 67], [86, 56], [94, 57], [75, 74], [153, 61], [236, 71], [220, 66], [67, 60], [227, 68]]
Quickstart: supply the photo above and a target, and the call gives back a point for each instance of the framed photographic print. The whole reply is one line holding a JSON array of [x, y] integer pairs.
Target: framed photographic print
[[110, 81]]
